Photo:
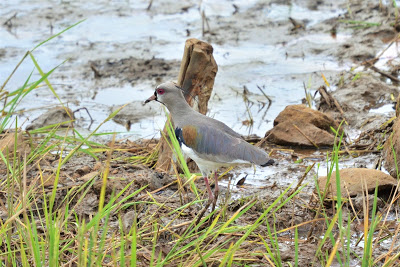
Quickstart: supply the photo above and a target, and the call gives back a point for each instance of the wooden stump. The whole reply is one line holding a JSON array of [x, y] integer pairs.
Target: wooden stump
[[196, 77]]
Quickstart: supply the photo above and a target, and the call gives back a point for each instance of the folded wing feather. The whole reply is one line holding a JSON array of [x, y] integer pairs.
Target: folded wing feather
[[215, 145]]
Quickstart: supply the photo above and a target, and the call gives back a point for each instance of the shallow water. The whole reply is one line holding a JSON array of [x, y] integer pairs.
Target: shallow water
[[254, 48], [250, 62]]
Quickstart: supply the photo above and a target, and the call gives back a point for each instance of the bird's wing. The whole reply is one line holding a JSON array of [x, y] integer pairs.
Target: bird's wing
[[213, 144]]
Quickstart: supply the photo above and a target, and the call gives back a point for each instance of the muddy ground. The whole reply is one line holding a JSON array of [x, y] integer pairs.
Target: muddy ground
[[361, 78]]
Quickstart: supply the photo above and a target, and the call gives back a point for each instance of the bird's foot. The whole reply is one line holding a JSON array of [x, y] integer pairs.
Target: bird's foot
[[210, 200], [216, 192]]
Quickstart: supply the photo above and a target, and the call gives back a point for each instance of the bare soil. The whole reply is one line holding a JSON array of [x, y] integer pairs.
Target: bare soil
[[358, 92]]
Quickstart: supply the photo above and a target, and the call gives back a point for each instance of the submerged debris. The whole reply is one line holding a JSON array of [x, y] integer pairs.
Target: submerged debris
[[134, 112], [58, 115]]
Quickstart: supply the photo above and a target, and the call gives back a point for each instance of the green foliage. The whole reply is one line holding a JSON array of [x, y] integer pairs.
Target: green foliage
[[357, 24], [175, 147], [43, 228]]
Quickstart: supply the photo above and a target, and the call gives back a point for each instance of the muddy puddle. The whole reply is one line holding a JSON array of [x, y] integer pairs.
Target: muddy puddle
[[270, 55], [246, 50], [117, 42]]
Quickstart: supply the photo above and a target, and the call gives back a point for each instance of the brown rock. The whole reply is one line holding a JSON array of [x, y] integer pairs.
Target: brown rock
[[97, 166], [393, 142], [82, 171], [305, 115], [153, 179], [287, 134], [89, 176], [355, 180], [88, 205], [7, 144], [128, 219], [299, 125]]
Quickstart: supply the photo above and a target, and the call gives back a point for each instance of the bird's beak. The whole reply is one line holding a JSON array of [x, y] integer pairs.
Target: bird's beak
[[151, 98]]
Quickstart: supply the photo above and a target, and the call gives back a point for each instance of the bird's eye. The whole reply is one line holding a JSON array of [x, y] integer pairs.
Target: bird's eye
[[160, 91]]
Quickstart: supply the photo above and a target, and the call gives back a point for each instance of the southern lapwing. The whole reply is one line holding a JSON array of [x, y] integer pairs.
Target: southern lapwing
[[210, 143]]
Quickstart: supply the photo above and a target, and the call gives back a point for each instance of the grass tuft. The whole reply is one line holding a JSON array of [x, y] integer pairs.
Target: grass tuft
[[51, 218]]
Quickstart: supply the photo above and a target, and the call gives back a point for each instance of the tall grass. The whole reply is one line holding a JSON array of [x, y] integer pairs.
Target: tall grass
[[341, 234], [43, 227]]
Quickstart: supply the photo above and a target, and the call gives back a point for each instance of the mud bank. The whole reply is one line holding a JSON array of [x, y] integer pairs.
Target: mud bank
[[284, 51]]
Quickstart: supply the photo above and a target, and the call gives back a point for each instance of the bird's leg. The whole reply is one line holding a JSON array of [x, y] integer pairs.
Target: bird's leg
[[210, 199], [216, 191], [210, 195]]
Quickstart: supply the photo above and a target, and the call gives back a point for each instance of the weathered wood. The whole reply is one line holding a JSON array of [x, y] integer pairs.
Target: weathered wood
[[196, 77], [398, 106]]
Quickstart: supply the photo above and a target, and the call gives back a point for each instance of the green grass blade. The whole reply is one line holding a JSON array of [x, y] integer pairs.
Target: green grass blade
[[54, 36]]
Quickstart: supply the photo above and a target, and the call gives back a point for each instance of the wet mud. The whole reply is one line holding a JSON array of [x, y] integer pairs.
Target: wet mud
[[279, 50]]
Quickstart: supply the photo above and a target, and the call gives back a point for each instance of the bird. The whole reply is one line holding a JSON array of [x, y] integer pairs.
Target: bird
[[210, 143]]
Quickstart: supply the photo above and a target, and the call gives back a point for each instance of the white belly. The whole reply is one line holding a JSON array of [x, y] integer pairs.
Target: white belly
[[206, 166]]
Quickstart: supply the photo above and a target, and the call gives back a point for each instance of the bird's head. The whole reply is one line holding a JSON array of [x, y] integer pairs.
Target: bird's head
[[166, 93]]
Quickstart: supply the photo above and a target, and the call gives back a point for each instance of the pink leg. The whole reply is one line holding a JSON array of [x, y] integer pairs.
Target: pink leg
[[216, 191], [210, 195], [210, 199]]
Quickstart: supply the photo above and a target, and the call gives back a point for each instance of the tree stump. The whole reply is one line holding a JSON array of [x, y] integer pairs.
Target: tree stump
[[196, 77]]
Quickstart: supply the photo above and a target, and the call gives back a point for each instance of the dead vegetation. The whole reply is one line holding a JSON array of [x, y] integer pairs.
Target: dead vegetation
[[66, 200]]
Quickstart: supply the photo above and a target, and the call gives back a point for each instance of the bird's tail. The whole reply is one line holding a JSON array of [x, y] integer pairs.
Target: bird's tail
[[268, 163], [256, 155]]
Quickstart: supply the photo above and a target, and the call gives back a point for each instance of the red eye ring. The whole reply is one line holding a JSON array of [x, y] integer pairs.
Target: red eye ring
[[160, 91]]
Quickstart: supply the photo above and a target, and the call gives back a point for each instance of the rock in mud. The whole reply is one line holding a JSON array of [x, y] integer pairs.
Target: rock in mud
[[59, 115], [134, 112], [392, 143], [359, 201], [153, 179], [298, 125], [88, 205], [353, 182], [8, 143], [128, 219], [3, 214], [88, 176]]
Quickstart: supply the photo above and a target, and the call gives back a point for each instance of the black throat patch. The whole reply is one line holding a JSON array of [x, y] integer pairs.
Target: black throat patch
[[179, 136]]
